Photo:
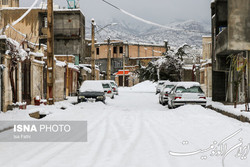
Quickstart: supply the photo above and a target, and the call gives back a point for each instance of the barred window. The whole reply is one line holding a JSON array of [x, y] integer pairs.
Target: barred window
[[5, 2]]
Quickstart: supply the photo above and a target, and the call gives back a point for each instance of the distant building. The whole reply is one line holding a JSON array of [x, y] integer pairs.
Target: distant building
[[230, 41], [135, 54]]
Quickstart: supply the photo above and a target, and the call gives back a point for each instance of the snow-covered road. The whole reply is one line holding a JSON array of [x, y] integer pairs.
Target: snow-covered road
[[133, 130]]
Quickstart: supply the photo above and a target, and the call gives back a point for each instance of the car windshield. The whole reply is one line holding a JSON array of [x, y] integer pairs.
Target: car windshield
[[105, 85], [193, 89]]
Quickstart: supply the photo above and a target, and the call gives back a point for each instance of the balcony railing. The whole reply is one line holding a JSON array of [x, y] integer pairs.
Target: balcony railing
[[66, 32]]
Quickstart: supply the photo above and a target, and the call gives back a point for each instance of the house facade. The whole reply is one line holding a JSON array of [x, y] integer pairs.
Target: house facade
[[131, 54], [25, 78], [230, 50]]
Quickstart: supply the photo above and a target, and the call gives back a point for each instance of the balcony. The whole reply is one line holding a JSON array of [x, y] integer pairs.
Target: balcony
[[67, 33], [62, 33], [222, 42]]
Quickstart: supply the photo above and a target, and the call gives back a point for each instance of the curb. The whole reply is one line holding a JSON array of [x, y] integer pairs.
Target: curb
[[238, 117]]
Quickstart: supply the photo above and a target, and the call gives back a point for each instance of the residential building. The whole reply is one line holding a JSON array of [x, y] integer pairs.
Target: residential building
[[25, 79], [69, 29], [135, 54], [230, 46], [206, 66], [9, 3]]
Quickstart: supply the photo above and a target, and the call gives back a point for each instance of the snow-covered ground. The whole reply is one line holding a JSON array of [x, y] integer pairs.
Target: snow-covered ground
[[133, 130]]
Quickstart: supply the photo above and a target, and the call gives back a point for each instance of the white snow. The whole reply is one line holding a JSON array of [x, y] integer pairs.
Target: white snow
[[91, 86], [132, 130]]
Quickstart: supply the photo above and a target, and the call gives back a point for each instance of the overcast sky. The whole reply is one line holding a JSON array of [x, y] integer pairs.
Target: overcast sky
[[159, 11]]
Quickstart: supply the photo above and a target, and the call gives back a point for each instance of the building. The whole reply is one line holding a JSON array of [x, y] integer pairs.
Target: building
[[69, 29], [206, 66], [9, 3], [25, 78], [230, 47], [135, 54]]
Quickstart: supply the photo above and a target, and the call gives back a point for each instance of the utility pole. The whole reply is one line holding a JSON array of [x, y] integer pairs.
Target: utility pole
[[109, 61], [123, 76], [93, 50], [50, 54]]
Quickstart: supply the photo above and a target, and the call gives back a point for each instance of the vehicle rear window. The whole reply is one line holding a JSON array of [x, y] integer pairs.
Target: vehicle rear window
[[169, 86], [193, 89], [105, 85]]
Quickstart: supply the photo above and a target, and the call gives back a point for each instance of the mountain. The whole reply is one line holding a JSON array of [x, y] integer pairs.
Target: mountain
[[176, 34]]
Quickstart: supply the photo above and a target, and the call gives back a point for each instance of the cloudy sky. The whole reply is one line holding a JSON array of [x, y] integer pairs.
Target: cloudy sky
[[159, 11]]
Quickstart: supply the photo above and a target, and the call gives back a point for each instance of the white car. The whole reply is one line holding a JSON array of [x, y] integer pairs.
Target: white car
[[186, 93], [159, 85], [91, 90], [114, 86], [108, 89], [163, 96]]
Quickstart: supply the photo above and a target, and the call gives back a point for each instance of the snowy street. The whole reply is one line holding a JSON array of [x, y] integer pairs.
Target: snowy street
[[133, 130]]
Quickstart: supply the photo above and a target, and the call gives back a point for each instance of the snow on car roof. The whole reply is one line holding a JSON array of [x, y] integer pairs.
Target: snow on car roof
[[188, 84], [91, 86]]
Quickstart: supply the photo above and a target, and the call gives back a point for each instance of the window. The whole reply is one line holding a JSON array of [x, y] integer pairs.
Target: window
[[45, 23], [5, 2], [121, 49], [114, 49], [97, 51]]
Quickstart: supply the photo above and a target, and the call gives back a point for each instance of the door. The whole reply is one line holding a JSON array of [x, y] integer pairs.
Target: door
[[26, 81]]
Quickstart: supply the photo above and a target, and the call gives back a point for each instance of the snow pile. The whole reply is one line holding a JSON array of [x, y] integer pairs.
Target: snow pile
[[229, 108], [146, 86]]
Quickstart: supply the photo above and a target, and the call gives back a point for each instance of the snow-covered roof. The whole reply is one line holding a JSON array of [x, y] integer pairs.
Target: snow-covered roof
[[91, 86]]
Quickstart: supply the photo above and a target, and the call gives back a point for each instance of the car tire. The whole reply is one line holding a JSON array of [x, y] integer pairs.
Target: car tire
[[160, 101], [163, 103], [113, 97]]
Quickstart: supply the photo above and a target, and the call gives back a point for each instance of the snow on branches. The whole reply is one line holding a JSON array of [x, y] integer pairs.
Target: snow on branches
[[170, 65]]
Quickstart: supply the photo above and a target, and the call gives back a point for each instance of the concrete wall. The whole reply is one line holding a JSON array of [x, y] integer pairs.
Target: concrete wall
[[59, 83], [7, 92], [239, 24], [36, 81], [29, 25]]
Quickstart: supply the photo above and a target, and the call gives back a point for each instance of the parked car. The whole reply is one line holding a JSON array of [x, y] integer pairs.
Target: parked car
[[159, 85], [91, 90], [114, 86], [186, 93], [108, 89], [163, 96]]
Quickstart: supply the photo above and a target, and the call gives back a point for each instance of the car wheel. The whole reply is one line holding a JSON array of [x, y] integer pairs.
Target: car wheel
[[113, 97], [160, 100], [169, 107], [163, 103]]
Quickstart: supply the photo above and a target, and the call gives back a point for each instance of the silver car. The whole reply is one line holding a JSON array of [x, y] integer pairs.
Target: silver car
[[159, 85], [163, 96], [186, 93]]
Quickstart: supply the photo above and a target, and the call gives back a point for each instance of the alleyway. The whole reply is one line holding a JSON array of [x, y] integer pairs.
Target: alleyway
[[133, 130]]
